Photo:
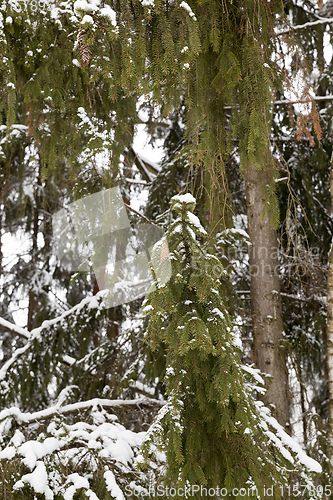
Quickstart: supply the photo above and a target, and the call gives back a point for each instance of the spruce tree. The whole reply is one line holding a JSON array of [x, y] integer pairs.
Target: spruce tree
[[210, 428]]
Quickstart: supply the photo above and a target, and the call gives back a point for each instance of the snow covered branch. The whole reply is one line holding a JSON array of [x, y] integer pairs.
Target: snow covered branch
[[302, 101], [10, 327], [27, 418], [311, 24], [91, 302]]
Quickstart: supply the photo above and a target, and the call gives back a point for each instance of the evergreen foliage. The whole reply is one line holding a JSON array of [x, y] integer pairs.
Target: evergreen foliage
[[210, 427], [208, 55], [209, 66]]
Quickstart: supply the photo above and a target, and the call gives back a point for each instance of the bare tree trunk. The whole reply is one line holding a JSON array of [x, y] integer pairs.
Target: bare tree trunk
[[329, 335], [266, 311]]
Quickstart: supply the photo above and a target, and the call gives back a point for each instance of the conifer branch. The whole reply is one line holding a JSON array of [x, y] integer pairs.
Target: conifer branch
[[48, 413], [22, 332], [297, 101]]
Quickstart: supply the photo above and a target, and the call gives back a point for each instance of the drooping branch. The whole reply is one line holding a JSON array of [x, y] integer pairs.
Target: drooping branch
[[22, 332], [297, 101], [17, 354]]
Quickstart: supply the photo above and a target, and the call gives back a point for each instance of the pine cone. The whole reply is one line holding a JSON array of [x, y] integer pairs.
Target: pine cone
[[86, 51]]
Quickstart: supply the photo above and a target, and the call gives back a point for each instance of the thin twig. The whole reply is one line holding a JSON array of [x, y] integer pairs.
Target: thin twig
[[140, 215]]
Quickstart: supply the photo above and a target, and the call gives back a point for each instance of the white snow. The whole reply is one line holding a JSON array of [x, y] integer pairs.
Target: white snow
[[254, 372], [283, 440], [148, 308], [112, 485], [184, 198], [147, 3], [78, 481], [8, 453], [34, 450], [85, 6], [238, 231], [87, 20], [193, 219], [218, 313], [186, 6], [110, 14], [38, 480]]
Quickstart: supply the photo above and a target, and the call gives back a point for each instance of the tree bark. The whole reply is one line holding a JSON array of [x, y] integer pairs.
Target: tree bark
[[329, 335], [266, 310], [32, 296]]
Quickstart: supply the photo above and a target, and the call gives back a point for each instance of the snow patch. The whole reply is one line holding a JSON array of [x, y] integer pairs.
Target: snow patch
[[184, 198], [112, 485], [186, 6], [38, 480]]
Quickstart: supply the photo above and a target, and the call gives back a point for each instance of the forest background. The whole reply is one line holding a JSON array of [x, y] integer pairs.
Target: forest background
[[238, 98]]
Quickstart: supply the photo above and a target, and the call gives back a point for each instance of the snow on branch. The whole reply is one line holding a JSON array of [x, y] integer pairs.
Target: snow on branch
[[27, 418], [302, 101], [17, 354], [21, 332], [311, 24], [284, 442], [91, 302], [101, 451]]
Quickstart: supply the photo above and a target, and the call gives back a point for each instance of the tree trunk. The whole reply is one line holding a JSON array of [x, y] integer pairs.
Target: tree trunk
[[329, 335], [266, 311], [32, 295]]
